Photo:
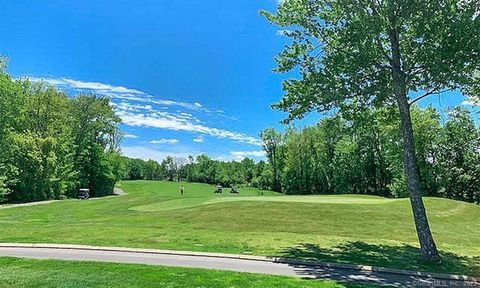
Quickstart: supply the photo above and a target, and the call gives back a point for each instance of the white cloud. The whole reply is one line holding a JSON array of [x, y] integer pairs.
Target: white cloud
[[171, 122], [164, 141], [283, 32], [240, 155], [137, 108], [146, 153], [130, 136], [198, 139], [82, 85], [114, 92], [131, 107], [98, 86], [123, 93]]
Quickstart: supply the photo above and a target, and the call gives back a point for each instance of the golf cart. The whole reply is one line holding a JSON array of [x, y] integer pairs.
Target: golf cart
[[83, 194], [218, 189]]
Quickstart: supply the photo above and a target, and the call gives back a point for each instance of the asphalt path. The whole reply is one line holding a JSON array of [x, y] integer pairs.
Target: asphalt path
[[116, 192], [219, 262]]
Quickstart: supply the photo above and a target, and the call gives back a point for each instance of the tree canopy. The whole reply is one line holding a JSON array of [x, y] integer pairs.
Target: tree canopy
[[343, 52], [52, 145]]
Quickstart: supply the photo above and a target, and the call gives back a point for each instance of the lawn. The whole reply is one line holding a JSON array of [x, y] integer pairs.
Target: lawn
[[16, 272], [343, 228]]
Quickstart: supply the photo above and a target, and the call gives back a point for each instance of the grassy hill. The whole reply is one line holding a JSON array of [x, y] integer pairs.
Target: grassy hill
[[342, 228]]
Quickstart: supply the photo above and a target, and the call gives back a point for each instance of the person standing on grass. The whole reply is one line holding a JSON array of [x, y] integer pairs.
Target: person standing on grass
[[182, 190]]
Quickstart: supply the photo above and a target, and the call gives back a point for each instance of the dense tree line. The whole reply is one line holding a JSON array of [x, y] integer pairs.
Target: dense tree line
[[232, 173], [171, 169], [362, 154], [52, 145], [201, 169]]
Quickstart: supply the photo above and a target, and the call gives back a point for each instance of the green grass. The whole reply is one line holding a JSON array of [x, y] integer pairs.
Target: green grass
[[16, 272], [183, 203], [346, 229]]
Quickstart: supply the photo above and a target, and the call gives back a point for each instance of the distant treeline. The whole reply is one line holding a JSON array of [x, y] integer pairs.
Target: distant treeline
[[362, 154], [200, 169], [52, 145]]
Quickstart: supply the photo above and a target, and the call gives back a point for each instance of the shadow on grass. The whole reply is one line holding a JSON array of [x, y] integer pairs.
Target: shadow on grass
[[401, 257]]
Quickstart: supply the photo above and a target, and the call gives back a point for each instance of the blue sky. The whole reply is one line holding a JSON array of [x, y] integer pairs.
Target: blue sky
[[187, 77]]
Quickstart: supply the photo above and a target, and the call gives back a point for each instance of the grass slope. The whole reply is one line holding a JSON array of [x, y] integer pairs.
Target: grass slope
[[16, 272], [325, 199], [347, 229]]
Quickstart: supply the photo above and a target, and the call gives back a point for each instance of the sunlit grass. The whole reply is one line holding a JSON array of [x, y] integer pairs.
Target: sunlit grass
[[345, 228], [49, 273]]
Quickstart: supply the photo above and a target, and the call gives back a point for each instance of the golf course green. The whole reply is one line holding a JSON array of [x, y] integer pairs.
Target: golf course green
[[326, 199], [356, 229]]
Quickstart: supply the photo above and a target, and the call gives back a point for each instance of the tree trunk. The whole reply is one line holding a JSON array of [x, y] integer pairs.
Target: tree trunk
[[427, 244]]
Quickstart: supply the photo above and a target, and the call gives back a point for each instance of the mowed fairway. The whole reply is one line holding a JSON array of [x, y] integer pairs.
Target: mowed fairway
[[342, 228], [324, 199]]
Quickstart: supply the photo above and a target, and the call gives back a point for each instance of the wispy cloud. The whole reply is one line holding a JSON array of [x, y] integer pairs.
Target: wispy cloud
[[240, 155], [122, 93], [198, 139], [140, 109], [112, 91], [164, 141], [147, 153], [172, 122], [283, 32], [83, 85], [132, 136]]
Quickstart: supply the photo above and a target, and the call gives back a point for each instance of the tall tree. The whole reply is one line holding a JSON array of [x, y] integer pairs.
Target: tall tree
[[170, 167], [94, 126], [51, 144], [273, 142], [42, 145], [12, 101], [375, 53]]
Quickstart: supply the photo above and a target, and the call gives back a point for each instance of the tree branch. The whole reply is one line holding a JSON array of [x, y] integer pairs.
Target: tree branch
[[434, 91]]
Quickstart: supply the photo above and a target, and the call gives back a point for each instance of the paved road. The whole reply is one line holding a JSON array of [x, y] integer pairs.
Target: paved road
[[6, 206], [261, 266]]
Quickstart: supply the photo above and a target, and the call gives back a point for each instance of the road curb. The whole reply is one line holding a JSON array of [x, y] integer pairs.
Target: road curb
[[289, 261]]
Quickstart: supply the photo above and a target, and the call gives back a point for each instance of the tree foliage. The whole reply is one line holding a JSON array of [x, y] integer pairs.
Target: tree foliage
[[52, 145], [363, 155], [201, 169], [353, 54]]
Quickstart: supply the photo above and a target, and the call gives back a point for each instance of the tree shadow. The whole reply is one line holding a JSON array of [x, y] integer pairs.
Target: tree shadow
[[405, 257]]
